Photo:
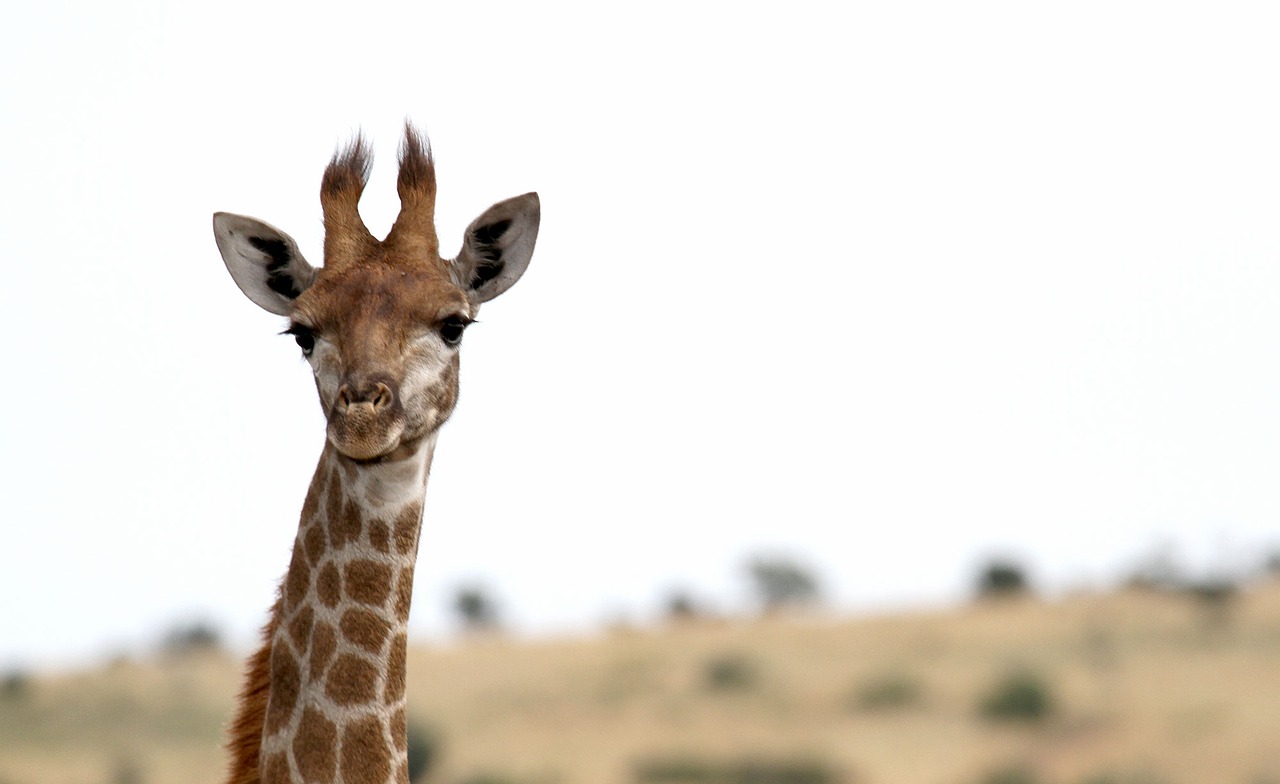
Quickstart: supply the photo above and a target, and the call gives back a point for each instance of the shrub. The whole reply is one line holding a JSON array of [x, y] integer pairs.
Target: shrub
[[730, 672], [1271, 564], [886, 693], [1124, 777], [1001, 578], [784, 772], [688, 770], [475, 608], [680, 606], [1213, 593], [15, 685], [127, 771], [1015, 774], [424, 751], [1159, 570], [188, 638], [678, 770], [1019, 696], [781, 582]]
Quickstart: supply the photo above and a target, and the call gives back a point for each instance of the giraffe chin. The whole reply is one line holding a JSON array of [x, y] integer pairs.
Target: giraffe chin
[[363, 442]]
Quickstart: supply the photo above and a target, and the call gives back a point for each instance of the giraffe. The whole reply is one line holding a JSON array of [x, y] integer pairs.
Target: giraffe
[[380, 324]]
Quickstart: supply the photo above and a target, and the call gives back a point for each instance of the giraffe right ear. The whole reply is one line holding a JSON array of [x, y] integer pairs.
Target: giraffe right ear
[[263, 261], [497, 247]]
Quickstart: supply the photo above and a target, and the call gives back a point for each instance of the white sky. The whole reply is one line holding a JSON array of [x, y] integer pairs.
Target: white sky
[[888, 287]]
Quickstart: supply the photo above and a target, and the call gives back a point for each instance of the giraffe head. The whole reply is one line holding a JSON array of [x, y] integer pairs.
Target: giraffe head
[[381, 322]]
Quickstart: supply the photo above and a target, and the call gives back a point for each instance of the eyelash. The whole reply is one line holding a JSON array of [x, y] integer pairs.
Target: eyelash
[[451, 329], [303, 336]]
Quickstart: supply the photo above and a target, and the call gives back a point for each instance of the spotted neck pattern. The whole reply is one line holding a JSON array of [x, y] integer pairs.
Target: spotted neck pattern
[[335, 707]]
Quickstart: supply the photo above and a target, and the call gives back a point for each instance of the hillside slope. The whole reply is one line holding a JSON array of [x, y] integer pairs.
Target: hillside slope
[[1136, 687]]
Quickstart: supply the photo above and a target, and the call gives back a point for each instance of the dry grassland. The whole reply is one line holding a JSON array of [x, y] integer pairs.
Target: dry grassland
[[1145, 688]]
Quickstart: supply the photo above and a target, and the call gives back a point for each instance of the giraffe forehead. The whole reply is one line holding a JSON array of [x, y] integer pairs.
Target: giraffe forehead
[[380, 296]]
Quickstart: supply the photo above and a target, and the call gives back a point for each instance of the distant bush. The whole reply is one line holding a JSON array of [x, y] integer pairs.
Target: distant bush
[[687, 770], [678, 770], [127, 771], [1159, 570], [1020, 696], [1124, 777], [1000, 578], [780, 582], [1162, 572], [193, 637], [475, 608], [1271, 564], [1215, 597], [785, 772], [1213, 592], [730, 672], [1016, 774], [886, 692], [488, 778], [424, 751], [680, 606], [15, 685]]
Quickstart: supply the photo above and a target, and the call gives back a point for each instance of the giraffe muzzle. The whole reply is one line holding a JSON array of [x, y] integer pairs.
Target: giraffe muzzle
[[366, 421], [375, 395]]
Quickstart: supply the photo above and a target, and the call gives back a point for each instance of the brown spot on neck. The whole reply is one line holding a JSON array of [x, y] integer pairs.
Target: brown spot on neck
[[408, 526], [324, 642], [286, 688], [367, 582], [365, 756], [346, 529], [314, 747], [352, 681], [368, 630]]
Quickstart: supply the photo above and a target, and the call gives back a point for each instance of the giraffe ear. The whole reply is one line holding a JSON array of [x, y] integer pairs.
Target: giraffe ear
[[263, 261], [497, 247]]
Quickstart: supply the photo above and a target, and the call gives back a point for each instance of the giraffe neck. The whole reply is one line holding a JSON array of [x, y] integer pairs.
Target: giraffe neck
[[335, 709]]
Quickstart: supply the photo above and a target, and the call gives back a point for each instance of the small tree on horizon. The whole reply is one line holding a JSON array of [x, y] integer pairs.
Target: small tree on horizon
[[1271, 564], [781, 582], [680, 606], [1002, 577], [423, 752], [190, 637], [475, 608]]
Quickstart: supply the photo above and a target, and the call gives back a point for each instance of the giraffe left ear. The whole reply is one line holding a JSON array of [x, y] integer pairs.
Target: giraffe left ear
[[497, 247], [263, 261]]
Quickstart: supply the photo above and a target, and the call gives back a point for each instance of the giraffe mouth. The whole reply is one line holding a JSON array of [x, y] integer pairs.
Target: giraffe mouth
[[364, 434]]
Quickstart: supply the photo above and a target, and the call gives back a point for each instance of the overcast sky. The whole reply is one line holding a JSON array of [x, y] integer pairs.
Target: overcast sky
[[885, 287]]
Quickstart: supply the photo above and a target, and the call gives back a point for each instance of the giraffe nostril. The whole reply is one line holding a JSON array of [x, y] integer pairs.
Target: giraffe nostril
[[381, 397], [377, 395]]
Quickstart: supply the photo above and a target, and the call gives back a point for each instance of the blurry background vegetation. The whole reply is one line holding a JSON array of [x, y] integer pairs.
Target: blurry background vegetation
[[1167, 678]]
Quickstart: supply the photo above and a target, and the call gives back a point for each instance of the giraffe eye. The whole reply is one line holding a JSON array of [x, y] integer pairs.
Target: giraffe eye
[[304, 337], [451, 329]]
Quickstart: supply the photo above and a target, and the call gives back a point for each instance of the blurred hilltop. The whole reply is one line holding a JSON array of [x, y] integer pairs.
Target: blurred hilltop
[[1143, 685]]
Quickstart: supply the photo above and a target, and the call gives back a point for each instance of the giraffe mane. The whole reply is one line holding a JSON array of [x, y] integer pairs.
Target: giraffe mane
[[244, 737]]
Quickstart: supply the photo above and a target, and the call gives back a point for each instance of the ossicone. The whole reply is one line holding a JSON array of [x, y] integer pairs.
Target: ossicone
[[346, 238], [415, 228]]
